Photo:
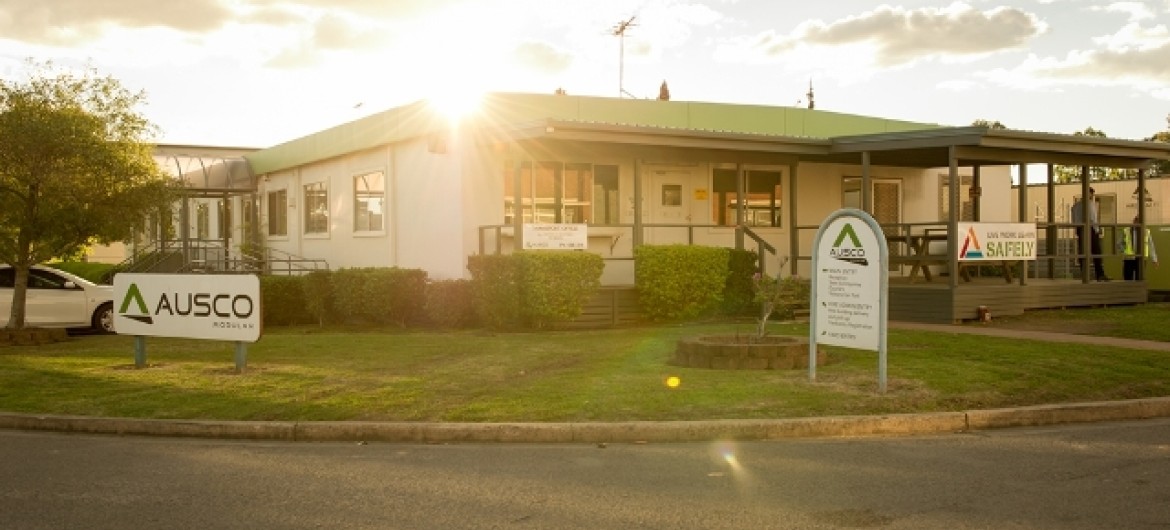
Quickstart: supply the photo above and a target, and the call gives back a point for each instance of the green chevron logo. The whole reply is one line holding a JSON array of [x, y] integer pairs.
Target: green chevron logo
[[133, 294], [853, 252]]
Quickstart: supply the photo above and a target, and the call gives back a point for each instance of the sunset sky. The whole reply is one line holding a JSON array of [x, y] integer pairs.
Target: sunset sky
[[255, 73]]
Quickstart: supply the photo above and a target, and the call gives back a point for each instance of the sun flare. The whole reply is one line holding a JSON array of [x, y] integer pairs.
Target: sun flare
[[456, 104]]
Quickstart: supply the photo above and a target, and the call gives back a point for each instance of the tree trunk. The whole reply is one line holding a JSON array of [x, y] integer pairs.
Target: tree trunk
[[19, 295], [20, 281]]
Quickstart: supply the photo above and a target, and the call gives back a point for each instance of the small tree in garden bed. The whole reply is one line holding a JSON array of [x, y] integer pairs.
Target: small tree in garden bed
[[778, 296]]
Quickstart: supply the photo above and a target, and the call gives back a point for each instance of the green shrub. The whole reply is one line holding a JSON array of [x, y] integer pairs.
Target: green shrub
[[384, 295], [398, 295], [795, 294], [679, 281], [533, 289], [496, 290], [318, 292], [557, 284], [450, 304], [739, 293], [94, 272], [283, 301]]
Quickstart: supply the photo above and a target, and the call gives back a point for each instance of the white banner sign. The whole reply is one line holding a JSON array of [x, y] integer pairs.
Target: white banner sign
[[997, 241], [545, 236], [198, 306]]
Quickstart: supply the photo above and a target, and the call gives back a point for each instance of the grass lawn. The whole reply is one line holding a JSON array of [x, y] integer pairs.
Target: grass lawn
[[605, 375]]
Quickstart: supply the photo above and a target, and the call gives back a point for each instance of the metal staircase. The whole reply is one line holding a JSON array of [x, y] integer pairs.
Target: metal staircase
[[212, 257]]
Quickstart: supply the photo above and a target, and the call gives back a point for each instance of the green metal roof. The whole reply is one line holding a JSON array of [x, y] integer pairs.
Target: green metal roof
[[506, 110]]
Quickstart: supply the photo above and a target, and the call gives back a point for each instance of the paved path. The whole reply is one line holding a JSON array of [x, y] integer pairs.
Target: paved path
[[1045, 336]]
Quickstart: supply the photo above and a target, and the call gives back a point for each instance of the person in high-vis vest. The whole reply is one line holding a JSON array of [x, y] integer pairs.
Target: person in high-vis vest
[[1128, 246]]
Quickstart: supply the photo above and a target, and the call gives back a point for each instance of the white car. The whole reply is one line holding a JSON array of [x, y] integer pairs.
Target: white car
[[58, 299]]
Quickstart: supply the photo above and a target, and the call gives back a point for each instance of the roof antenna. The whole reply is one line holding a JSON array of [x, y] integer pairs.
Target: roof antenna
[[620, 31], [811, 104]]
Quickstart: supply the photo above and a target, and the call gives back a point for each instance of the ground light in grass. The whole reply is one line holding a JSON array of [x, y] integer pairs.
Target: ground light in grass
[[673, 381]]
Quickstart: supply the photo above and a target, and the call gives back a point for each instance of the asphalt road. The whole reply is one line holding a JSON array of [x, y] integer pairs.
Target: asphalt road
[[1109, 475]]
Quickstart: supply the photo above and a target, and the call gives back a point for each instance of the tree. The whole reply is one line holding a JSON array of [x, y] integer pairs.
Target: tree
[[663, 92], [75, 169], [989, 124], [1066, 174], [1161, 167]]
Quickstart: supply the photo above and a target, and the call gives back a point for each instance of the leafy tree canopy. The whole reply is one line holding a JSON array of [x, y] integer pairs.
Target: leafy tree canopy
[[75, 167], [1162, 167], [1073, 173], [989, 124]]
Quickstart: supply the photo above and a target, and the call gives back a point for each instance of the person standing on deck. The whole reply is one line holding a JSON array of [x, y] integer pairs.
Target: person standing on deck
[[1080, 209], [1128, 248]]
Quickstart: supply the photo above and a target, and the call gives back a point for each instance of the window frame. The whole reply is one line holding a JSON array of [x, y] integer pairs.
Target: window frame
[[360, 211], [316, 218], [277, 213], [223, 226], [562, 192], [724, 203], [202, 221]]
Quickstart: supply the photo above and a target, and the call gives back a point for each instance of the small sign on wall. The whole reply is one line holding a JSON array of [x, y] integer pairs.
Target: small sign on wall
[[561, 236], [700, 194], [997, 241]]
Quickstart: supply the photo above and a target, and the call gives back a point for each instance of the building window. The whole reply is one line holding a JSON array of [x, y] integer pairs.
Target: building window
[[202, 221], [764, 195], [278, 213], [224, 226], [605, 194], [967, 206], [554, 192], [369, 199], [316, 208], [249, 206]]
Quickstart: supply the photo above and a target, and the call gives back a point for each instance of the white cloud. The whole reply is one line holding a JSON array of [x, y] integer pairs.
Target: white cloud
[[80, 21], [958, 85], [1135, 36], [1145, 69], [543, 57], [1137, 11], [893, 37]]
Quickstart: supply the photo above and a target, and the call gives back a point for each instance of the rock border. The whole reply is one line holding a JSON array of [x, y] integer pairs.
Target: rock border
[[32, 336]]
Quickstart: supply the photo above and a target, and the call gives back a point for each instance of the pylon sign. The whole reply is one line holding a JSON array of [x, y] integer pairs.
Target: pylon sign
[[199, 306], [849, 286]]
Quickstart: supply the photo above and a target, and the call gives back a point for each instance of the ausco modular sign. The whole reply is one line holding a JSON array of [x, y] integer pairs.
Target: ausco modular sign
[[198, 306], [997, 241], [848, 290]]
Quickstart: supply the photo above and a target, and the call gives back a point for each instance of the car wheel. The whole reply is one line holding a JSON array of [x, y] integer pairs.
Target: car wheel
[[103, 318]]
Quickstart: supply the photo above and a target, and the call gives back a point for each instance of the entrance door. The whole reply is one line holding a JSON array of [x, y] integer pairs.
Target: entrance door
[[887, 209], [887, 198], [670, 204]]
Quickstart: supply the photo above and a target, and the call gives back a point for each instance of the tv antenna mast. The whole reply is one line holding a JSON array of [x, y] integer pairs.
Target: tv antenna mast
[[620, 31]]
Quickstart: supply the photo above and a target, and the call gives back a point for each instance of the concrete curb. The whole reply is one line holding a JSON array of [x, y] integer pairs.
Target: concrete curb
[[1134, 409], [620, 432]]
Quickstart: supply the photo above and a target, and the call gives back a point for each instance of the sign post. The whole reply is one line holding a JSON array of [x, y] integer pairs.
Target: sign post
[[850, 283], [199, 306]]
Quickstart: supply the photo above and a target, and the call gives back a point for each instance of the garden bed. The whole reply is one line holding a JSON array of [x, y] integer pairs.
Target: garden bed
[[28, 336]]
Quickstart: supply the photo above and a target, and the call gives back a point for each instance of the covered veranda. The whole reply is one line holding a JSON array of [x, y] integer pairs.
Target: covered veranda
[[925, 286], [961, 290]]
